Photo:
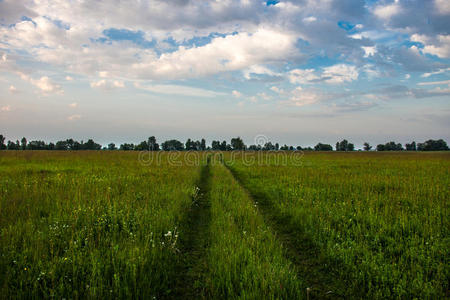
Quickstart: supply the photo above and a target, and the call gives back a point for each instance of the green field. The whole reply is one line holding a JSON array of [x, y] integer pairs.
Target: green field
[[250, 225]]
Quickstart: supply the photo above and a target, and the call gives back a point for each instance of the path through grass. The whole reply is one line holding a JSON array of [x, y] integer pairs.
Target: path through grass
[[194, 241]]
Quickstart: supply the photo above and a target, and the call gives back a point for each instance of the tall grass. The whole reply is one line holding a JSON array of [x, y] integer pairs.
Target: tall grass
[[245, 260], [90, 224], [381, 220]]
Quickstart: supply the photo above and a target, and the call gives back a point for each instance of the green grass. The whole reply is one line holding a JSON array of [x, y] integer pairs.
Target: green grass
[[102, 224], [90, 224], [380, 221]]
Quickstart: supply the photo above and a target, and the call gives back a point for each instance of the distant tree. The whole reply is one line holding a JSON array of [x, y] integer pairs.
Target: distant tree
[[270, 147], [323, 147], [215, 145], [37, 145], [433, 145], [12, 146], [411, 147], [172, 145], [203, 145], [391, 146], [223, 146], [152, 144], [51, 146], [126, 147], [367, 146], [112, 146], [2, 142], [237, 144], [24, 143], [344, 145], [277, 146], [91, 145], [61, 145], [299, 148]]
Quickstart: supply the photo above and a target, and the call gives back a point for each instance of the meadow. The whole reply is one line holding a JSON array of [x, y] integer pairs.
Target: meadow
[[251, 225]]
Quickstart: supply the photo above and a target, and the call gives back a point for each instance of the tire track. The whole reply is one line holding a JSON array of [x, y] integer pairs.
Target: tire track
[[310, 264], [194, 242]]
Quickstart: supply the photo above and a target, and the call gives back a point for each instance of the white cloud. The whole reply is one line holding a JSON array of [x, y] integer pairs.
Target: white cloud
[[107, 85], [73, 105], [301, 97], [387, 11], [236, 94], [229, 53], [438, 45], [277, 90], [340, 73], [182, 90], [5, 108], [302, 76], [310, 19], [13, 89], [444, 82], [74, 117], [260, 70], [440, 71], [44, 84], [369, 51], [442, 7]]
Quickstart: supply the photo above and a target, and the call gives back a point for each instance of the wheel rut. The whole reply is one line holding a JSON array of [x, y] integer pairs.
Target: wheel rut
[[311, 265], [194, 242]]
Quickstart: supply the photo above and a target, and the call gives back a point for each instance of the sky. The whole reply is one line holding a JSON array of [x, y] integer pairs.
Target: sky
[[297, 72]]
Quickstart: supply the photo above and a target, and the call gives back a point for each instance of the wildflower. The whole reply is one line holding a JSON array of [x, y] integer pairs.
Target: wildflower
[[168, 234], [25, 268]]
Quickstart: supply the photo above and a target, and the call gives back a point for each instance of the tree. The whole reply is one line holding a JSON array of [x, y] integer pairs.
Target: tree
[[2, 142], [411, 147], [391, 146], [223, 146], [12, 146], [323, 147], [23, 143], [112, 146], [152, 144], [237, 144], [203, 145], [215, 145], [172, 145], [367, 146], [433, 145], [126, 147], [344, 145]]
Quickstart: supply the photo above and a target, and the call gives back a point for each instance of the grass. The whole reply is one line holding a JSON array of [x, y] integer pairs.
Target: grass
[[379, 220], [90, 224], [103, 224]]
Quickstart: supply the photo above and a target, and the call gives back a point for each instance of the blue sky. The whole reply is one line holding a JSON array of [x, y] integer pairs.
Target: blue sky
[[299, 72]]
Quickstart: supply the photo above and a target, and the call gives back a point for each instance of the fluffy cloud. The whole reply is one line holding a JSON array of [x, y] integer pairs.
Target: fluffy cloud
[[438, 45], [236, 94], [301, 97], [339, 73], [387, 11], [44, 83], [107, 85]]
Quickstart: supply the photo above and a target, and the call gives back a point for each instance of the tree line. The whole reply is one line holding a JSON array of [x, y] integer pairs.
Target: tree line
[[200, 145]]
